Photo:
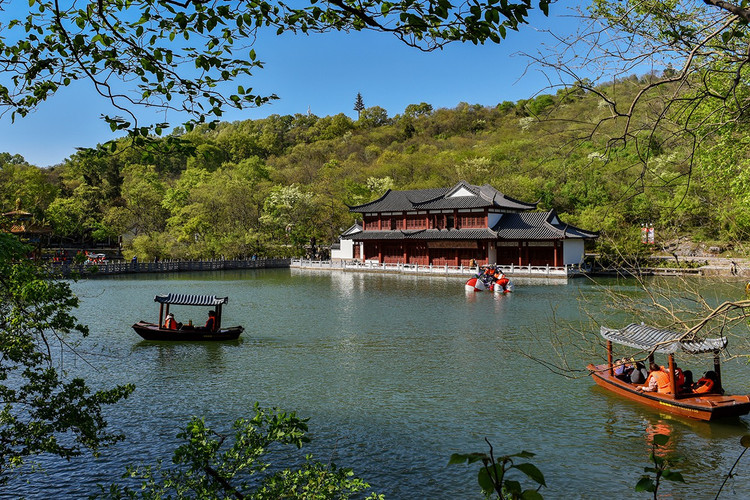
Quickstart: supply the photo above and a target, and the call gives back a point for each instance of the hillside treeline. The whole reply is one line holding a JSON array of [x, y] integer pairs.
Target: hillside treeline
[[268, 186]]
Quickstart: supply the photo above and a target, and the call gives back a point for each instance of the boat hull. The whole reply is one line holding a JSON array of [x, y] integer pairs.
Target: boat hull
[[475, 284], [698, 406], [151, 331]]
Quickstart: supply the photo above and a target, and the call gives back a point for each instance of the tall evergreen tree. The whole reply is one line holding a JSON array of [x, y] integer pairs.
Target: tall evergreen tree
[[359, 105]]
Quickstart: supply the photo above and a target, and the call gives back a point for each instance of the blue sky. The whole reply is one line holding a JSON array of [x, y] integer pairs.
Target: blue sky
[[322, 73]]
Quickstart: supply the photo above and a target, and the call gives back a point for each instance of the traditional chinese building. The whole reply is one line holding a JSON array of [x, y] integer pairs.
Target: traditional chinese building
[[453, 226]]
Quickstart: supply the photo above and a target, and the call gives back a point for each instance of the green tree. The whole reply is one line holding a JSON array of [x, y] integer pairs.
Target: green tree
[[288, 213], [359, 105], [44, 409], [21, 183], [374, 117], [214, 465]]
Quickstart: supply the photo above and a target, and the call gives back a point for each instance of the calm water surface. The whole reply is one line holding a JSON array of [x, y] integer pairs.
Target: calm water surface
[[395, 373]]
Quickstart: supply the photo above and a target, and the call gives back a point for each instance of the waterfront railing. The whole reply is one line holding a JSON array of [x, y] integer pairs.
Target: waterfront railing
[[432, 269], [165, 266]]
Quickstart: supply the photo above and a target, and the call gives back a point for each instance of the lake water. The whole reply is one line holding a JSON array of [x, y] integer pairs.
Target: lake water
[[396, 373]]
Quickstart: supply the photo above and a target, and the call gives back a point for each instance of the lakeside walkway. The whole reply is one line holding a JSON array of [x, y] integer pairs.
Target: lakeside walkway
[[165, 266]]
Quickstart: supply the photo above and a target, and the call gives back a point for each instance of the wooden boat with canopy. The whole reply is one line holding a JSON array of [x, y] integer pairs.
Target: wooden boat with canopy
[[704, 406], [157, 331]]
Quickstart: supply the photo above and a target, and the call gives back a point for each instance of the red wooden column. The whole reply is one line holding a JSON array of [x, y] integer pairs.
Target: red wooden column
[[555, 261], [520, 253]]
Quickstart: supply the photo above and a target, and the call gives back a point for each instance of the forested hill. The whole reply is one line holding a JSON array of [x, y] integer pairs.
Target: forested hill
[[267, 186]]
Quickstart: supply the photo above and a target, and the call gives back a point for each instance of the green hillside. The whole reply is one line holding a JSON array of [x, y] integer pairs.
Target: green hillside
[[268, 186]]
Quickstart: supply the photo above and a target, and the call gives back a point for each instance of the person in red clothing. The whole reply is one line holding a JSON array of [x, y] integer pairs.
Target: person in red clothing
[[211, 321], [170, 323]]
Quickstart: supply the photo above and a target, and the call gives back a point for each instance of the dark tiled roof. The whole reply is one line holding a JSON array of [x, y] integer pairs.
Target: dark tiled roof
[[534, 226], [425, 234], [441, 199], [538, 226]]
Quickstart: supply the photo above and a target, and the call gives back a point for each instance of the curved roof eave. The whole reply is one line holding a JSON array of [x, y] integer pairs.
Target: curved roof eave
[[352, 209]]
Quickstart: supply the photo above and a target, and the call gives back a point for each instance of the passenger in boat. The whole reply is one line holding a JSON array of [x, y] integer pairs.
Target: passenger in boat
[[211, 321], [170, 323], [658, 380], [687, 385], [706, 383], [502, 281], [679, 377], [623, 369], [639, 373]]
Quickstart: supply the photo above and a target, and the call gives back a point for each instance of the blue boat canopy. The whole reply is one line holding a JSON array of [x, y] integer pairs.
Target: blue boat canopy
[[648, 338], [186, 299]]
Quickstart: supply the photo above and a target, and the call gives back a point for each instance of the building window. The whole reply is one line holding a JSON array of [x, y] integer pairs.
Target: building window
[[471, 221], [415, 223]]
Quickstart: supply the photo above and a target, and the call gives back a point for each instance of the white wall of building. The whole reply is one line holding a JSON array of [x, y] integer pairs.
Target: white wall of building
[[573, 252], [345, 251]]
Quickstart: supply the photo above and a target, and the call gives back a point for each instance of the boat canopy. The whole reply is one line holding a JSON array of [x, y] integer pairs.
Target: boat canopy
[[649, 338], [186, 299]]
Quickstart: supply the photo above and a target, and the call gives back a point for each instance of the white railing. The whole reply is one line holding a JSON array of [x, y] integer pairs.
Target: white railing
[[367, 266]]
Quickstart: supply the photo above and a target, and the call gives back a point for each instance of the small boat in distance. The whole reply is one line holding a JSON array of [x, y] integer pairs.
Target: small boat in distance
[[158, 331], [704, 406], [489, 278]]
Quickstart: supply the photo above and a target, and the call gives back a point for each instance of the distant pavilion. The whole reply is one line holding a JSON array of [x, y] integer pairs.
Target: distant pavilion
[[455, 225]]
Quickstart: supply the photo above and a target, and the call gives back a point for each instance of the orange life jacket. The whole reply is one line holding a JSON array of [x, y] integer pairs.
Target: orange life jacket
[[211, 323], [704, 385], [170, 324], [679, 377], [662, 380]]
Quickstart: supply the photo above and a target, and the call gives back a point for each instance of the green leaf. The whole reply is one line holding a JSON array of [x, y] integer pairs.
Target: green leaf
[[459, 458], [485, 481], [673, 476], [661, 439], [532, 472], [544, 6], [512, 487], [531, 495], [645, 484]]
